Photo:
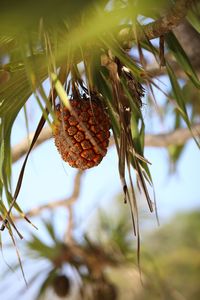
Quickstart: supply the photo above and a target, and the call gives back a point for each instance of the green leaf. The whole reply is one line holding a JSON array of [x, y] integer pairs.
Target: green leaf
[[14, 93], [40, 248], [123, 57], [182, 58], [60, 90], [26, 120], [137, 133], [7, 44], [6, 161], [175, 153], [100, 80], [179, 98], [5, 171], [50, 228], [193, 18], [46, 283]]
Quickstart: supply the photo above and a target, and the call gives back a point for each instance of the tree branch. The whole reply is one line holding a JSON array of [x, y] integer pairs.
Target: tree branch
[[67, 202], [21, 149], [164, 24], [177, 137]]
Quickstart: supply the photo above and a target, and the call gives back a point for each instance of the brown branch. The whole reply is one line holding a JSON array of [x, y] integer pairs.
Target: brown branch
[[177, 137], [21, 149], [164, 24], [93, 256], [70, 224], [64, 202], [68, 202]]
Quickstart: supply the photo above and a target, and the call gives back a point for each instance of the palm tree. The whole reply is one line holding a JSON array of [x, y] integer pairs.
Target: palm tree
[[100, 58]]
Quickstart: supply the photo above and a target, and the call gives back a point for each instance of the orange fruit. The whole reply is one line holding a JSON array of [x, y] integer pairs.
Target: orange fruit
[[82, 133]]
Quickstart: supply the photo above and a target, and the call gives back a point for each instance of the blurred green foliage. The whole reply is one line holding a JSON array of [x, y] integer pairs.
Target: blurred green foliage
[[171, 260]]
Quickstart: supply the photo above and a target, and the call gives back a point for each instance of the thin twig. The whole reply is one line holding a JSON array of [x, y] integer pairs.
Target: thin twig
[[19, 150], [67, 202], [177, 137], [70, 225]]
